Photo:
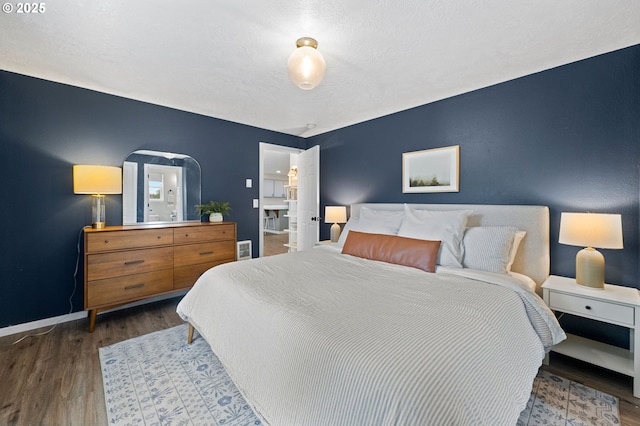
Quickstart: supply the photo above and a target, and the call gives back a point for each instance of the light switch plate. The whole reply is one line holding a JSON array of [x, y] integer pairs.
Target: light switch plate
[[249, 183], [256, 203]]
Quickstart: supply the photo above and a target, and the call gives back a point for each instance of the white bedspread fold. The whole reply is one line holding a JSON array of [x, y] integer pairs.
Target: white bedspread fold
[[321, 338]]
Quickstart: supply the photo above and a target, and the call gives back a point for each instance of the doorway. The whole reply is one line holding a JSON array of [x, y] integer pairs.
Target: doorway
[[291, 202], [275, 163], [162, 193]]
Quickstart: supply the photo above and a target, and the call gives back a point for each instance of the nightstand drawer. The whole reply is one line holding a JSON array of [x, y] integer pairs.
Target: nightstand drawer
[[589, 308]]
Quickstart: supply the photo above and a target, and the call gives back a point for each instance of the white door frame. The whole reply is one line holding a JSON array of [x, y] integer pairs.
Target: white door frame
[[267, 147], [177, 197]]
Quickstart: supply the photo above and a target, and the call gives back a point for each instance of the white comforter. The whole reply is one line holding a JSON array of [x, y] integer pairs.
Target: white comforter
[[321, 338]]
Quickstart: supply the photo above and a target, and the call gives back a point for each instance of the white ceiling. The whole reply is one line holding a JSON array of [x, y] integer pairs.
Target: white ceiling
[[227, 58]]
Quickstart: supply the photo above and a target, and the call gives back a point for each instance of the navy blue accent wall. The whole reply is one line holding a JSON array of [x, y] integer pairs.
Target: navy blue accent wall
[[567, 138], [47, 127]]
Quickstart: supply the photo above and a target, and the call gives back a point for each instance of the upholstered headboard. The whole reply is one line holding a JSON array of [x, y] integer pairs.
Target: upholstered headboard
[[533, 255]]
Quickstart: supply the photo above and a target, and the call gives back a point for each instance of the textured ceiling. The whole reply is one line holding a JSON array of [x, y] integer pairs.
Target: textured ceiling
[[227, 59]]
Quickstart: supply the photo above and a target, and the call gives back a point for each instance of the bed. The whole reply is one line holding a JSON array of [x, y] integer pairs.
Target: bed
[[348, 335]]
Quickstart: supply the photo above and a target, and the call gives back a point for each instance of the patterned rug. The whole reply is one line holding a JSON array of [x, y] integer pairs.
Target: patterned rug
[[158, 379]]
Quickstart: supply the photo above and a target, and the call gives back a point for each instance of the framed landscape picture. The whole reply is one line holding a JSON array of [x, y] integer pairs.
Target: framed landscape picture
[[431, 170]]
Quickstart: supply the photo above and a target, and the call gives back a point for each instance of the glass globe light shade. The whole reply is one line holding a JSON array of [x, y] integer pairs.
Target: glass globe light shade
[[306, 67]]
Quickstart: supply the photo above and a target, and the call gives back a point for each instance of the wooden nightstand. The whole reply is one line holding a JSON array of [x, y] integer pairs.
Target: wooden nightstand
[[614, 305]]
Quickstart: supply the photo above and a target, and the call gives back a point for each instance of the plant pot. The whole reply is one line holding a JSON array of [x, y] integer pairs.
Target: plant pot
[[215, 217]]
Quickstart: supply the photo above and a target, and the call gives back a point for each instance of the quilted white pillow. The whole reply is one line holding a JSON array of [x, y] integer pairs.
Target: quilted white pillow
[[445, 226], [488, 248]]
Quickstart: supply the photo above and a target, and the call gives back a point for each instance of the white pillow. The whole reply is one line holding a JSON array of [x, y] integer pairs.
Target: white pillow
[[351, 224], [514, 248], [488, 248], [373, 222], [445, 226], [380, 221]]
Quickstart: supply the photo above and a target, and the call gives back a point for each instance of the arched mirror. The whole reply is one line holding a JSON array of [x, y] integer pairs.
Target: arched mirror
[[159, 187]]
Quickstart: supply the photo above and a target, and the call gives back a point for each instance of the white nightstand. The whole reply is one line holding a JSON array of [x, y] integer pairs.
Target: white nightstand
[[614, 305]]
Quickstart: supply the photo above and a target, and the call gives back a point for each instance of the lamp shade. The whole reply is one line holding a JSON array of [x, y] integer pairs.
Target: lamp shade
[[335, 214], [597, 230], [93, 179], [306, 65]]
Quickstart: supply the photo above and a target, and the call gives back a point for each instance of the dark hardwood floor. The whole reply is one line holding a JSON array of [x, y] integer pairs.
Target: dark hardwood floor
[[55, 379]]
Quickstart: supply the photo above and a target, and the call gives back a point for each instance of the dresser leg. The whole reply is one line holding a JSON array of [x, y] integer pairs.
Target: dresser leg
[[92, 319], [190, 335]]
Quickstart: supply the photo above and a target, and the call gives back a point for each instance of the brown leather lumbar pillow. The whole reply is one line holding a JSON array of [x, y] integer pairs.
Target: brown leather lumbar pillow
[[421, 254]]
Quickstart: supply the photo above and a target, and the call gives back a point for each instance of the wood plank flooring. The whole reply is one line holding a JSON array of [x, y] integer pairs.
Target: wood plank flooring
[[274, 243], [55, 379]]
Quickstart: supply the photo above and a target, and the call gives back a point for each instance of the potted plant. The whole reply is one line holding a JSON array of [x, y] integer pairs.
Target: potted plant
[[215, 210]]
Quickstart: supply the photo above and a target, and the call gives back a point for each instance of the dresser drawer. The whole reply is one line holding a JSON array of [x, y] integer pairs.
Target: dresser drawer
[[194, 254], [605, 311], [119, 240], [186, 276], [131, 287], [119, 263], [199, 234]]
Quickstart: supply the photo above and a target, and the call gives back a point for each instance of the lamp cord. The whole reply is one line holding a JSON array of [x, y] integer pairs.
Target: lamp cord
[[75, 286]]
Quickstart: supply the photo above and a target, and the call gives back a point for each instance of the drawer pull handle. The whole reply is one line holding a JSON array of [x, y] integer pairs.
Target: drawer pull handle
[[186, 235], [159, 236], [134, 262], [588, 308], [106, 241], [131, 287], [204, 253]]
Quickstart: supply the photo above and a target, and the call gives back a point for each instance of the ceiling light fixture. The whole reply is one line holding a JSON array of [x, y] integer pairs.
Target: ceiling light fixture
[[306, 65]]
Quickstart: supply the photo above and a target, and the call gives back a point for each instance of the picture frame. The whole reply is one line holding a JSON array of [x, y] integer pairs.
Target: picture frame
[[431, 170]]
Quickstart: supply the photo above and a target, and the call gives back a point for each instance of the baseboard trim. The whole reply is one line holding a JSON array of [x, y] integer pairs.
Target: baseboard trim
[[47, 322]]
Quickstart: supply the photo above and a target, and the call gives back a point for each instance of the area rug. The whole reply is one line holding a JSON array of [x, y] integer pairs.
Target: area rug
[[158, 379]]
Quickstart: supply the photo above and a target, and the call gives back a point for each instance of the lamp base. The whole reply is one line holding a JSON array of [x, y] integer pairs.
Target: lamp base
[[590, 268], [335, 233], [98, 211]]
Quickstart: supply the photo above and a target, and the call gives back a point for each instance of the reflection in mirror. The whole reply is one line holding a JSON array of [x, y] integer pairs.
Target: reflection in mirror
[[160, 187]]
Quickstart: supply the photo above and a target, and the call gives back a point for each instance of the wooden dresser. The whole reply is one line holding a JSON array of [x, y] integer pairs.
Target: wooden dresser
[[123, 264]]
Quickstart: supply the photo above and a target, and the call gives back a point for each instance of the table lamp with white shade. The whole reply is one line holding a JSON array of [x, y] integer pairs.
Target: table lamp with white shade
[[591, 230], [97, 181], [335, 215]]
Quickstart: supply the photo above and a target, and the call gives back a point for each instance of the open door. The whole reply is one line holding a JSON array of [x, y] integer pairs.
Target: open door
[[307, 204], [308, 198]]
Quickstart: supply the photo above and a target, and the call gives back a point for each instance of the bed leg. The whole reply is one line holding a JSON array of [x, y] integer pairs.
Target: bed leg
[[190, 335]]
